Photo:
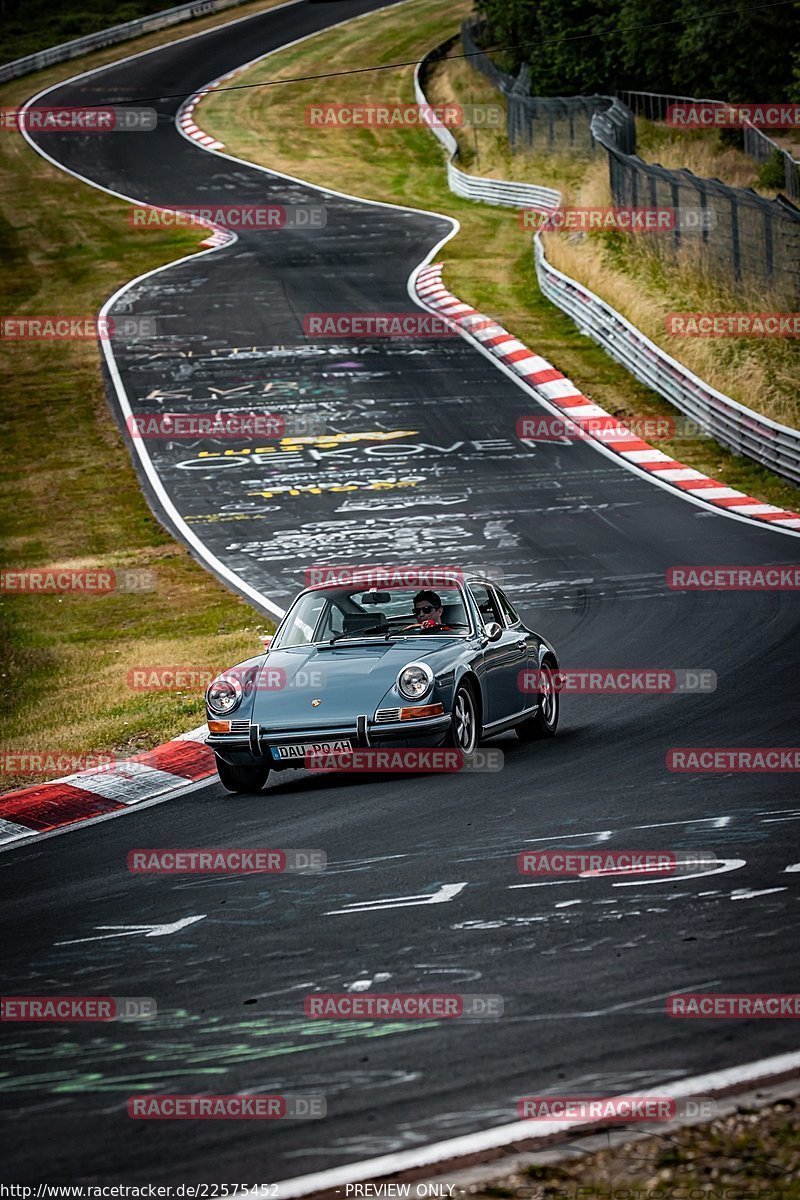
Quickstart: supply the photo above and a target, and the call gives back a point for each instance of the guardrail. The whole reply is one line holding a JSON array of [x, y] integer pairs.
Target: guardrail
[[109, 37], [734, 425], [502, 192], [739, 428]]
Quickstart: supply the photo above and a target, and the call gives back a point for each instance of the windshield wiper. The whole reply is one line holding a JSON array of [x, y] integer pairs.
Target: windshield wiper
[[356, 633]]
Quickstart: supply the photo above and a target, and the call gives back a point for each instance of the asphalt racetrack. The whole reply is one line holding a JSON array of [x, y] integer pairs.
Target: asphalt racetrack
[[583, 965]]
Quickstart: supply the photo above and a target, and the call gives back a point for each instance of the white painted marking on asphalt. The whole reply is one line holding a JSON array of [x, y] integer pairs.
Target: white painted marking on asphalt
[[750, 893], [446, 892], [792, 867], [725, 865], [544, 883], [135, 930], [363, 985], [602, 835], [687, 821]]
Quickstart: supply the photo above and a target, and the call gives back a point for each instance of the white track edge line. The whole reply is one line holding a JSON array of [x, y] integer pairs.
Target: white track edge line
[[517, 1131]]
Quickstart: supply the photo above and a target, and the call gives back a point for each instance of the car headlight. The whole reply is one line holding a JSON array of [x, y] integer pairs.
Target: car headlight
[[224, 694], [415, 681]]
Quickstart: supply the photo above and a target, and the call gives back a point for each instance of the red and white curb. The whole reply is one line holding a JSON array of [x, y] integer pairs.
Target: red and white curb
[[87, 795], [547, 382], [187, 125]]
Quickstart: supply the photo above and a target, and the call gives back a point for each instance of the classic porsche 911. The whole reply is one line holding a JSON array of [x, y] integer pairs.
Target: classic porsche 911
[[358, 665]]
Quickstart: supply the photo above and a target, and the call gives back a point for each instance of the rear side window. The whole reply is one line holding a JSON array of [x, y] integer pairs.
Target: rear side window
[[486, 603], [510, 614]]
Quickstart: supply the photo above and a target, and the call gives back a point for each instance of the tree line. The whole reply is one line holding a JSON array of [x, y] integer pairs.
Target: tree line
[[738, 50]]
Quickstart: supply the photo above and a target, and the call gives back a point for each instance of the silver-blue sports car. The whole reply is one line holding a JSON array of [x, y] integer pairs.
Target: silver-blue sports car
[[367, 666]]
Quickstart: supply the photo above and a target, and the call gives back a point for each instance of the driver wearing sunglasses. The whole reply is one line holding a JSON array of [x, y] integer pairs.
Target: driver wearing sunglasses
[[428, 611]]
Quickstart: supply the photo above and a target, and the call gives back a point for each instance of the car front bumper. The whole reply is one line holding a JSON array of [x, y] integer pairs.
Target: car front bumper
[[254, 745]]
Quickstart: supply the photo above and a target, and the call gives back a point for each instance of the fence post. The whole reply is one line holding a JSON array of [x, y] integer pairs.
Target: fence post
[[736, 250], [768, 246]]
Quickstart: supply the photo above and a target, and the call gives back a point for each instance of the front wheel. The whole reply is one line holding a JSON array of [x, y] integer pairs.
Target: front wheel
[[243, 780], [544, 721], [463, 731]]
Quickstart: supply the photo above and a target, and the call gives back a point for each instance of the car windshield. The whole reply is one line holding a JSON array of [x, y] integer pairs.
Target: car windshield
[[339, 614]]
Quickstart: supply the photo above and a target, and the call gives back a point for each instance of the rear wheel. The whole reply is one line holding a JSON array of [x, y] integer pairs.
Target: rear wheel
[[544, 721], [463, 731], [242, 779]]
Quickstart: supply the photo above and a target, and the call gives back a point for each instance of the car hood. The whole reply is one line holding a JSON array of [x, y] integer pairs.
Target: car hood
[[348, 678]]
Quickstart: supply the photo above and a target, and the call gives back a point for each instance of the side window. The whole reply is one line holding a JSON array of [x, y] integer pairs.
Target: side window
[[486, 603], [511, 617]]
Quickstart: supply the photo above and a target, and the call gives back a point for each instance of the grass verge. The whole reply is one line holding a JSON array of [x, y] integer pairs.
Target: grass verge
[[489, 264], [69, 494], [752, 1153]]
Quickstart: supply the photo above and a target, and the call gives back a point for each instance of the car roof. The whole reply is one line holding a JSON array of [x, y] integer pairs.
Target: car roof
[[370, 586]]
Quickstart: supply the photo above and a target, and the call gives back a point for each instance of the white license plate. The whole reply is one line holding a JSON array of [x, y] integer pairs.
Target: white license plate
[[287, 753]]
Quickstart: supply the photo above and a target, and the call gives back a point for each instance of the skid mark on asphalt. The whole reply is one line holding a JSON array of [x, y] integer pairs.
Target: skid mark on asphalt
[[184, 1047]]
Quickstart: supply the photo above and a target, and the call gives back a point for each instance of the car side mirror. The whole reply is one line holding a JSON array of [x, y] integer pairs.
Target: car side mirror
[[493, 631]]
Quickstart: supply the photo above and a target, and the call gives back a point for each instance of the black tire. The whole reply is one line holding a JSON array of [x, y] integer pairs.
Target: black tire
[[244, 780], [544, 722], [463, 731]]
